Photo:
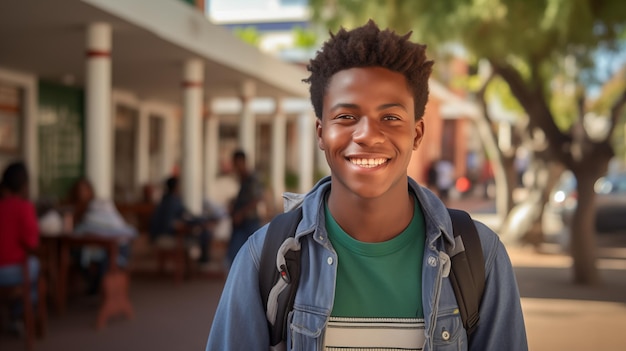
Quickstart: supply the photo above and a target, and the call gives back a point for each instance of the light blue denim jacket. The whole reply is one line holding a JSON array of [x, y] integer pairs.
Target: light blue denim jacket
[[240, 322]]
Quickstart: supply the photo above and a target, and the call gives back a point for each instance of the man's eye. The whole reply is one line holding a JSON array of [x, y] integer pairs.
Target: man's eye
[[391, 118], [345, 117]]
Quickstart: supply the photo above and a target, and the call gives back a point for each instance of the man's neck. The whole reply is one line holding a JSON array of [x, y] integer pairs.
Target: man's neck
[[372, 220]]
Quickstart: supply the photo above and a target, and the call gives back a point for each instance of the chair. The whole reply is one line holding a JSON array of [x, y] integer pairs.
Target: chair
[[177, 254], [34, 321], [137, 214], [115, 283]]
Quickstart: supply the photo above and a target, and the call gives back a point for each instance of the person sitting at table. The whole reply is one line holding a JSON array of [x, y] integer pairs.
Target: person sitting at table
[[80, 195], [170, 216], [98, 217], [19, 233]]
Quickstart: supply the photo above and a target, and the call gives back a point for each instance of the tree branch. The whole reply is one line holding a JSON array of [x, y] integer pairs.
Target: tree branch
[[533, 102], [616, 110], [481, 95]]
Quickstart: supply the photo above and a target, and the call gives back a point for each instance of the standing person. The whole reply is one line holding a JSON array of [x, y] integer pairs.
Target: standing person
[[445, 179], [431, 177], [243, 212], [487, 179], [19, 231], [374, 268]]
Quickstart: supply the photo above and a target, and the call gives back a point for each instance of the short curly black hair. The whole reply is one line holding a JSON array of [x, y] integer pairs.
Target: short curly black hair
[[368, 46], [15, 177]]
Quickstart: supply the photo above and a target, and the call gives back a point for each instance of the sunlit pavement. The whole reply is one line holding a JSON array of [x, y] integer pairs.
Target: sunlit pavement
[[563, 316], [556, 324], [559, 315]]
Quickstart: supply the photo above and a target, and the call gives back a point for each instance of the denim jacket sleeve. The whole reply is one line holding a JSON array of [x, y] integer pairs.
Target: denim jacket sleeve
[[240, 322], [501, 320]]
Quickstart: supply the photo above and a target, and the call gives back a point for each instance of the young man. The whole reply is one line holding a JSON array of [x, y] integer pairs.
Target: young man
[[374, 272]]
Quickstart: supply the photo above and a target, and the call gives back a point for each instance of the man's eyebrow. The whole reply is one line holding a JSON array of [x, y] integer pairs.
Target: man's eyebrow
[[391, 105], [344, 105], [355, 106]]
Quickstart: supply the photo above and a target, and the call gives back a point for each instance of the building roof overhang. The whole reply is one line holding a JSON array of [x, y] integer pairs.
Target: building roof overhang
[[151, 40]]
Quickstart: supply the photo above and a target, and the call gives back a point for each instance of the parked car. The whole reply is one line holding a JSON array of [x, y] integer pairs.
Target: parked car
[[610, 201]]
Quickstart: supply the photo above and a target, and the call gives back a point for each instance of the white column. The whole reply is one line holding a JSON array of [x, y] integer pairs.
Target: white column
[[211, 153], [279, 141], [247, 123], [306, 130], [193, 91], [28, 82], [98, 138], [142, 147], [31, 147], [169, 122]]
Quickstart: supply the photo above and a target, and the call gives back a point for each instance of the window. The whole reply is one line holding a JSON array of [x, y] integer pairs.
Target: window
[[293, 2], [10, 119]]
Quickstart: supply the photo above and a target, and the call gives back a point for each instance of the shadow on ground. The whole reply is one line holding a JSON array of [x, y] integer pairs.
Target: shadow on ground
[[557, 283]]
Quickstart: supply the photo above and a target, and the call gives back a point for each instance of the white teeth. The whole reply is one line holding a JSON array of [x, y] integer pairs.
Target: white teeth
[[368, 162]]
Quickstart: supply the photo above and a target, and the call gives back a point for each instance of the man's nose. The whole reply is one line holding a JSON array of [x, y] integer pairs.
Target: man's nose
[[368, 131]]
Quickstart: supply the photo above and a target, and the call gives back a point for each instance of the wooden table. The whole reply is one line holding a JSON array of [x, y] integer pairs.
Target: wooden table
[[115, 282], [49, 257]]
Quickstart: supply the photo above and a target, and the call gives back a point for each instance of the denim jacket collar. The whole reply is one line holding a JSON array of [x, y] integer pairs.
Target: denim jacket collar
[[437, 219]]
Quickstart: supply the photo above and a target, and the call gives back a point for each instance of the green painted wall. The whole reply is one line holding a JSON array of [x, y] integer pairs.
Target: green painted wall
[[61, 139]]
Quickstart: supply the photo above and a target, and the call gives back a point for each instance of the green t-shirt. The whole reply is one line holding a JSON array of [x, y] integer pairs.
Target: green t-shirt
[[379, 279]]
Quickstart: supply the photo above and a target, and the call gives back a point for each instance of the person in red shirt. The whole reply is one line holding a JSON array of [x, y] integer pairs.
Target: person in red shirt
[[19, 231]]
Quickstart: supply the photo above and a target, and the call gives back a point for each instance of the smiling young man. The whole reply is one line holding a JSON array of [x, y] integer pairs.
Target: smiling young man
[[374, 269]]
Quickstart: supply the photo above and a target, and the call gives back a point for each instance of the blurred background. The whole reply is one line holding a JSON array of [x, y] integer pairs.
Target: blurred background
[[525, 123]]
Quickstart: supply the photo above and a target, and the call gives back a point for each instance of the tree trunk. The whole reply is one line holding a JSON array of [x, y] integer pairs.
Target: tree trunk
[[504, 175], [586, 158], [582, 230], [543, 183], [524, 221], [510, 177], [500, 163]]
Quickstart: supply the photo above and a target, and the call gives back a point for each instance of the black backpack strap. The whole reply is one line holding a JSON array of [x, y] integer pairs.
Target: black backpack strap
[[280, 228], [468, 269]]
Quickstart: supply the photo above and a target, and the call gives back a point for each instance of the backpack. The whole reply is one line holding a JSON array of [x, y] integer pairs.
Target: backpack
[[279, 271]]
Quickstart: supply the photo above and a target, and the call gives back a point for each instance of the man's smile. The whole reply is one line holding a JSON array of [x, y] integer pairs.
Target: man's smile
[[368, 162]]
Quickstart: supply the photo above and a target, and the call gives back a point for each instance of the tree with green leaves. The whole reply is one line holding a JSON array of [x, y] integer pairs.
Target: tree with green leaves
[[249, 35], [547, 53]]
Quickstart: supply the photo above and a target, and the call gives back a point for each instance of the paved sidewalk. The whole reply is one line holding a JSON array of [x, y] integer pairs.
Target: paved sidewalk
[[560, 315]]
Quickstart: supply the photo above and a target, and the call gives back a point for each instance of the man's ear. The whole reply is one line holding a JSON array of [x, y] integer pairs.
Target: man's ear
[[318, 132], [419, 133]]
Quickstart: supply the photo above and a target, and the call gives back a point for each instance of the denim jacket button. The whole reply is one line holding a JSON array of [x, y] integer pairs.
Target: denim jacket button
[[445, 335], [329, 260], [432, 261]]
